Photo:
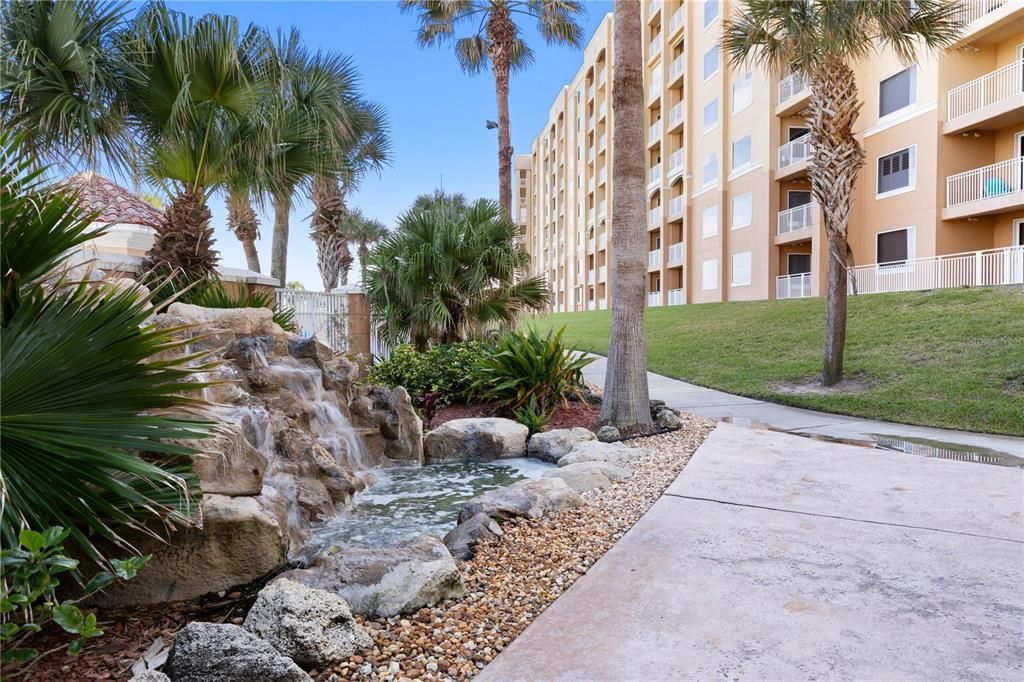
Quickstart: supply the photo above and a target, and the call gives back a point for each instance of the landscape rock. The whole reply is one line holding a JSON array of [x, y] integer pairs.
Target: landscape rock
[[386, 581], [241, 321], [475, 438], [213, 652], [393, 414], [613, 472], [228, 464], [313, 627], [530, 498], [586, 476], [150, 676], [614, 453], [608, 434], [550, 446], [668, 419], [462, 539]]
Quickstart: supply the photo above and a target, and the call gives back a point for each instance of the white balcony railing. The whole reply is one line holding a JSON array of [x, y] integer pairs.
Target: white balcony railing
[[796, 218], [591, 184], [676, 252], [676, 296], [590, 276], [654, 216], [654, 298], [988, 182], [791, 86], [654, 175], [972, 10], [602, 304], [973, 268], [654, 258], [602, 273], [602, 143], [676, 68], [602, 111], [676, 22], [591, 245], [794, 152], [655, 47], [602, 175], [592, 91], [675, 162], [654, 132], [590, 152], [592, 122], [592, 215], [602, 77], [793, 286], [989, 89], [675, 114], [602, 241], [602, 209], [591, 305], [676, 205], [655, 88]]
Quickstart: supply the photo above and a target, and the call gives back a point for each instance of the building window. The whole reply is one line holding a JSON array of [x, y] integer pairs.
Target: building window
[[710, 12], [741, 266], [798, 263], [897, 92], [741, 152], [709, 221], [742, 210], [742, 92], [897, 171], [894, 247], [710, 115], [710, 169], [710, 62], [709, 274]]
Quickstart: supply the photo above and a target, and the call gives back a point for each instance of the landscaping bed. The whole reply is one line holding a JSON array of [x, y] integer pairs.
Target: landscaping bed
[[573, 413]]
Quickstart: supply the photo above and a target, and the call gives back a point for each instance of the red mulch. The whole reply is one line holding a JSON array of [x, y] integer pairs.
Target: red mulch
[[565, 417]]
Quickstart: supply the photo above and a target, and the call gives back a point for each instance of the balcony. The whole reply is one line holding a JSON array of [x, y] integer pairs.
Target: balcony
[[602, 175], [591, 215], [602, 210], [602, 241], [793, 286], [997, 188], [590, 276], [602, 143], [602, 304], [590, 153], [676, 253], [602, 273], [654, 299], [676, 207], [654, 88], [654, 259], [654, 176], [793, 157], [677, 21], [602, 111], [988, 21], [654, 217], [591, 305], [654, 49], [591, 184], [591, 122], [793, 92], [796, 219], [602, 78], [676, 296], [991, 102], [591, 91], [993, 267], [654, 133], [676, 165], [676, 70], [676, 116]]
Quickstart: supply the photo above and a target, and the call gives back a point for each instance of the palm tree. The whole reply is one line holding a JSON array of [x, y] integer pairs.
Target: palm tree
[[626, 400], [497, 43], [823, 40], [332, 254], [59, 80], [444, 277], [243, 221], [455, 202], [363, 231]]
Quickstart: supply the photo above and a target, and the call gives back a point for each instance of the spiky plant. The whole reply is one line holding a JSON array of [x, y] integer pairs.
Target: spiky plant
[[497, 43], [824, 40]]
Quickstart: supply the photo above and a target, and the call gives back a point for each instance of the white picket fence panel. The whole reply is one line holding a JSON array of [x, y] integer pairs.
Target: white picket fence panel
[[321, 314]]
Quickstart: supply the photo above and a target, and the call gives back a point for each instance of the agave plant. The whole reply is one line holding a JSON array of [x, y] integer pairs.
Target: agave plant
[[88, 386]]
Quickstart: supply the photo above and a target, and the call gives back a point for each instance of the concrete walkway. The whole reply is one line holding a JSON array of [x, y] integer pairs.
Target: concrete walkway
[[780, 557], [711, 403]]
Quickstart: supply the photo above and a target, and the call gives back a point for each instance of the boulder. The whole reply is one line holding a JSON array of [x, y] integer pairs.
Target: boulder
[[482, 438], [613, 472], [241, 539], [608, 434], [150, 676], [530, 498], [390, 411], [668, 419], [313, 627], [615, 453], [240, 321], [462, 539], [551, 446], [228, 464], [581, 477], [214, 652], [386, 581]]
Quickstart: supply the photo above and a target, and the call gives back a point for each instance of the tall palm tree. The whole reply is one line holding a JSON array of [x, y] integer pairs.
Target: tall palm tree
[[444, 277], [59, 79], [823, 40], [332, 253], [626, 400], [364, 232], [243, 221], [497, 43]]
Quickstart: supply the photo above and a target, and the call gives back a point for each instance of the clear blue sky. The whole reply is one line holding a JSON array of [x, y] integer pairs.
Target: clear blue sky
[[436, 113]]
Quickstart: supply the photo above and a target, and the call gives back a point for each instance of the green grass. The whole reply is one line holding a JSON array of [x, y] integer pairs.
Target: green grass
[[950, 358]]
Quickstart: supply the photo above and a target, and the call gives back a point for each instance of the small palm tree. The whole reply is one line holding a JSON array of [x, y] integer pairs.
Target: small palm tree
[[364, 232], [497, 43], [455, 202], [823, 40], [444, 277]]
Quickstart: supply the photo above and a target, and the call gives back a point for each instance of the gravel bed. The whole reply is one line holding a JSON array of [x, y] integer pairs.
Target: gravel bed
[[511, 580]]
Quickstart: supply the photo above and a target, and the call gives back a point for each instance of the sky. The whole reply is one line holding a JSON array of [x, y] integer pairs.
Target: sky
[[436, 113]]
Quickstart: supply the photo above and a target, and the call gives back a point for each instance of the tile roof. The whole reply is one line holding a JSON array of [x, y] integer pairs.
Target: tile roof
[[114, 203]]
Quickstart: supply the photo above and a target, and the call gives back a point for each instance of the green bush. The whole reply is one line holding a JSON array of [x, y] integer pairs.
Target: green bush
[[448, 370], [212, 294], [528, 372]]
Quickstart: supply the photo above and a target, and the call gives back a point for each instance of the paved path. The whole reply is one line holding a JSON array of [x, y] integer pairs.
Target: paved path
[[711, 403], [779, 557]]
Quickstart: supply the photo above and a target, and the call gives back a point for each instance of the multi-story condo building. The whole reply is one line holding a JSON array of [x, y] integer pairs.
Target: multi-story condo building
[[940, 201]]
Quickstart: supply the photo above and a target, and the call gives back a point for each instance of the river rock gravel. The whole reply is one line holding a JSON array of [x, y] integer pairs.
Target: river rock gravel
[[512, 579]]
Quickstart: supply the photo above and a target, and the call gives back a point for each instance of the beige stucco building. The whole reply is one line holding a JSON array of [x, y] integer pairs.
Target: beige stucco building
[[730, 216]]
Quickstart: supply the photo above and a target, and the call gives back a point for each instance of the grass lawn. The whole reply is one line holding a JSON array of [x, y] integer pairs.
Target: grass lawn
[[950, 358]]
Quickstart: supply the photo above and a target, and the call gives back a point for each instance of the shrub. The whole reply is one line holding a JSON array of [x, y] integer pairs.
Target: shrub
[[531, 416], [448, 370], [531, 372], [213, 294]]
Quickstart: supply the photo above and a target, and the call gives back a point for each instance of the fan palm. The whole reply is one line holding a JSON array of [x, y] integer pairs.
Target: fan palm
[[823, 40], [443, 277], [497, 43], [363, 231], [59, 79], [454, 202]]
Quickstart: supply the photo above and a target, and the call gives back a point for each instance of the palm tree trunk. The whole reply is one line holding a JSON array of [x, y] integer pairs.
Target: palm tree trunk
[[836, 160], [252, 257], [183, 243], [626, 400], [243, 222], [279, 249], [501, 32]]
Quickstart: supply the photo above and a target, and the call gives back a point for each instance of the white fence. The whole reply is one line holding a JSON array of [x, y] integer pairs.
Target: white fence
[[676, 253], [654, 299], [981, 92], [972, 10], [986, 182], [318, 313], [791, 86], [654, 258], [796, 218], [794, 152], [973, 268], [793, 286], [676, 296]]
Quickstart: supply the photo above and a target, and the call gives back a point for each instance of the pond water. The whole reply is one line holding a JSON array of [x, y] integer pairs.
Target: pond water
[[406, 502]]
